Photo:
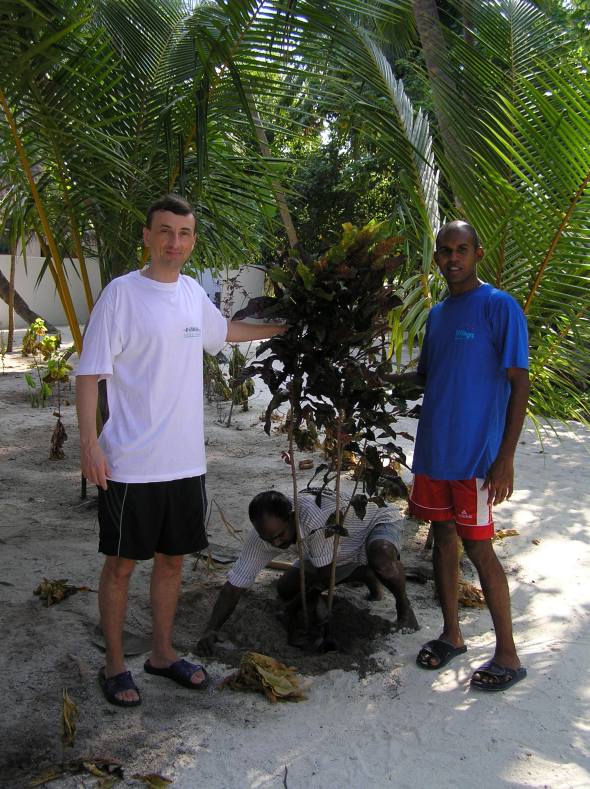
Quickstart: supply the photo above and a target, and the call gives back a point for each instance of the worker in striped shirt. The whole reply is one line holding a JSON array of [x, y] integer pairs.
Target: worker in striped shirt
[[370, 553]]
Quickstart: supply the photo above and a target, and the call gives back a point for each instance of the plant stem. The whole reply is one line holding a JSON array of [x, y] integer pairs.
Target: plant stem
[[337, 535], [297, 526]]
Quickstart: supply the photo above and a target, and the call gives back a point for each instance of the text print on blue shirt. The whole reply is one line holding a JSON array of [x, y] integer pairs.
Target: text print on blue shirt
[[464, 334]]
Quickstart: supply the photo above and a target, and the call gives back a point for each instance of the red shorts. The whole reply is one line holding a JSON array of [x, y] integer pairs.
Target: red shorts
[[460, 500]]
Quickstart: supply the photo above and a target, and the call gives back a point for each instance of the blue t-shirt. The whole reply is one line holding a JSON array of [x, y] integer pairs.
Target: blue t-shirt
[[469, 343]]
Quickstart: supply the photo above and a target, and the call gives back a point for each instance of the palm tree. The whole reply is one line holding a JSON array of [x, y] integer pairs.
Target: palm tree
[[109, 103], [521, 110]]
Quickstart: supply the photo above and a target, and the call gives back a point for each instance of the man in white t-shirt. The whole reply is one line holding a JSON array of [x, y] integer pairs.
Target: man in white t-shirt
[[146, 336], [370, 552]]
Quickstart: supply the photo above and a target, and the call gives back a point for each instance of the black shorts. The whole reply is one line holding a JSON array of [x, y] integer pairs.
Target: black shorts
[[138, 519]]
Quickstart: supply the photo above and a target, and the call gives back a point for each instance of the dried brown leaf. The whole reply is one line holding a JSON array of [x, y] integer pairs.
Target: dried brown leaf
[[94, 770], [266, 675], [69, 716], [50, 774], [54, 591], [501, 534], [470, 596], [153, 780]]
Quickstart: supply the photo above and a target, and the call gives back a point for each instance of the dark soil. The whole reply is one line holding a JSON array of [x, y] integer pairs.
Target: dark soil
[[257, 625]]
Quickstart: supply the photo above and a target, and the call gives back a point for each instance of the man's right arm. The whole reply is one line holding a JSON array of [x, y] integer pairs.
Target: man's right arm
[[222, 610], [92, 459], [411, 379], [410, 386]]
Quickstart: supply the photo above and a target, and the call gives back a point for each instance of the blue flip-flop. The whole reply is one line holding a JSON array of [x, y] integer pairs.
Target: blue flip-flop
[[110, 686], [180, 672], [501, 677]]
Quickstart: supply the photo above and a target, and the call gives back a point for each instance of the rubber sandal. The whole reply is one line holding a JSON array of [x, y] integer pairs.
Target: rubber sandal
[[110, 686], [180, 672], [441, 650], [502, 677]]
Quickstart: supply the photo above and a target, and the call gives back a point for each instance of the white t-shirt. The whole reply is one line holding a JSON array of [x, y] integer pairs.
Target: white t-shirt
[[317, 548], [147, 339]]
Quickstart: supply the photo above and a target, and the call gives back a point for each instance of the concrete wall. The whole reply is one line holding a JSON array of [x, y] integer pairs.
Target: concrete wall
[[44, 299]]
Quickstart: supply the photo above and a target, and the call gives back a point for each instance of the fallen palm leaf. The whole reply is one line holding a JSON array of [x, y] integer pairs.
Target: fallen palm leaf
[[503, 533], [231, 529], [69, 716], [57, 590], [266, 675], [153, 781], [470, 596]]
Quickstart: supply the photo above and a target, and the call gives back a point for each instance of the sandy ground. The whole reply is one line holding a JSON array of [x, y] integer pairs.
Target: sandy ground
[[372, 718]]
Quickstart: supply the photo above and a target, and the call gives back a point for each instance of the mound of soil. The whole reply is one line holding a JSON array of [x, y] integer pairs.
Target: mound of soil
[[257, 625]]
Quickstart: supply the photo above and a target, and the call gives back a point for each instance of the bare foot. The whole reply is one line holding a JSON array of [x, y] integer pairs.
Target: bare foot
[[406, 619], [112, 670]]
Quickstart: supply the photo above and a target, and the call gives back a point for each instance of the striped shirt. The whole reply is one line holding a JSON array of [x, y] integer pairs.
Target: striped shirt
[[317, 548]]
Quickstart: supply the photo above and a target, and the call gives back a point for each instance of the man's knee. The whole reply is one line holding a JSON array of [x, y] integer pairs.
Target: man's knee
[[480, 552], [383, 557], [444, 533], [117, 568], [168, 564]]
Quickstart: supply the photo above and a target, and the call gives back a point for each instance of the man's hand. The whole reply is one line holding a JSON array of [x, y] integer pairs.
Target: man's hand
[[206, 644], [94, 464], [499, 480]]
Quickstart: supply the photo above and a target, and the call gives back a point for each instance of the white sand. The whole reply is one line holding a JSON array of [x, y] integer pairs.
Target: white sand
[[398, 727]]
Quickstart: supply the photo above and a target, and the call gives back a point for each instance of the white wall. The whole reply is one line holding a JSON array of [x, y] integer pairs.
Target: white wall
[[44, 299], [249, 283]]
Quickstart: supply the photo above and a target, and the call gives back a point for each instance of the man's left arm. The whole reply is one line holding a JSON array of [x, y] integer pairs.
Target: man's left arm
[[499, 480], [238, 331]]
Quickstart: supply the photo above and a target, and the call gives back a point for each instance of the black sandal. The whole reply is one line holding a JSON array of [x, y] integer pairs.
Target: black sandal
[[441, 651]]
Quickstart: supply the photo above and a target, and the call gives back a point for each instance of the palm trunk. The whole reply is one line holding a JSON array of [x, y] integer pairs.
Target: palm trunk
[[58, 271], [276, 186], [10, 340], [444, 90]]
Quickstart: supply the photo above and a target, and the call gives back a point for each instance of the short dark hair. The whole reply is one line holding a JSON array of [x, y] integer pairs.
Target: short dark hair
[[269, 502], [458, 224], [171, 202]]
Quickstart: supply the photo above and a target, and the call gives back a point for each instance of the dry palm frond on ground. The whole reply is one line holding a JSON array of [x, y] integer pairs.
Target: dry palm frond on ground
[[266, 675]]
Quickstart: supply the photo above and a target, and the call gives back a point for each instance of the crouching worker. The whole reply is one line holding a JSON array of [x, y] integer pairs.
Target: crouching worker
[[370, 553]]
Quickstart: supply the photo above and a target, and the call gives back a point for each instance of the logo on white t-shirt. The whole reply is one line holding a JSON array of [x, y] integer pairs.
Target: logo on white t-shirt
[[191, 331]]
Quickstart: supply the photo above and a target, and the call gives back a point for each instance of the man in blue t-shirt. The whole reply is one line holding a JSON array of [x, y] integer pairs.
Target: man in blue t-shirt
[[474, 366]]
